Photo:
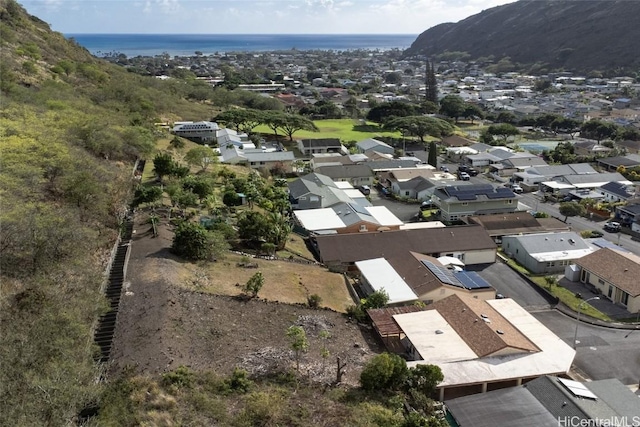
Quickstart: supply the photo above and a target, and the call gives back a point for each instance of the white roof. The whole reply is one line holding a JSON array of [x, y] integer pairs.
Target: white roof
[[421, 225], [557, 185], [354, 194], [555, 356], [561, 255], [381, 275], [383, 216], [434, 347], [342, 184], [319, 219]]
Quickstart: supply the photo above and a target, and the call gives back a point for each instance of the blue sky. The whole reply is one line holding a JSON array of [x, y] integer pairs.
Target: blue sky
[[253, 16]]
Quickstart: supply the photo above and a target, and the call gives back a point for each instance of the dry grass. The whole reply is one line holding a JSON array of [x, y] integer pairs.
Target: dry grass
[[283, 281], [295, 246]]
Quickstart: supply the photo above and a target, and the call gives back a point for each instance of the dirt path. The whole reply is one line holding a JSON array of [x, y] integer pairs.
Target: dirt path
[[162, 325]]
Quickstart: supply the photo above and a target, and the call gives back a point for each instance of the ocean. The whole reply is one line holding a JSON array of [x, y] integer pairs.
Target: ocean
[[133, 45]]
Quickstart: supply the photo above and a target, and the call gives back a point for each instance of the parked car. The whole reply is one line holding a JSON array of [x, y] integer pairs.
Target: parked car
[[612, 227], [466, 168], [595, 233], [427, 204], [516, 188], [464, 176], [365, 190], [444, 169]]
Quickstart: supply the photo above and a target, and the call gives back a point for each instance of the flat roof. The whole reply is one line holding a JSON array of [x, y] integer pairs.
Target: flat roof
[[555, 356], [381, 275], [319, 219], [557, 185], [420, 225], [383, 215], [561, 255], [345, 185], [434, 338]]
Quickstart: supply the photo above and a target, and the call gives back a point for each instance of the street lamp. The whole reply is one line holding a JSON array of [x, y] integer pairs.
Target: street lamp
[[575, 337]]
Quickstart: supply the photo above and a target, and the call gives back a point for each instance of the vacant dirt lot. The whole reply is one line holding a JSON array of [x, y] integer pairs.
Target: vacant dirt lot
[[170, 315]]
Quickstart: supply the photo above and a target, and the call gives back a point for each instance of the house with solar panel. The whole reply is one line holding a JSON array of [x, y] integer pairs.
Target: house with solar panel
[[411, 277], [460, 201]]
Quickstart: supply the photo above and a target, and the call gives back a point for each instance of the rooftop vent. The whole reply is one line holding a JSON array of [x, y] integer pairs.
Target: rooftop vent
[[439, 332], [499, 332], [486, 320]]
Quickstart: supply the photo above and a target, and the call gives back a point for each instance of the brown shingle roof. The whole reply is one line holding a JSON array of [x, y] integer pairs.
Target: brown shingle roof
[[349, 248], [467, 317], [419, 278], [618, 268]]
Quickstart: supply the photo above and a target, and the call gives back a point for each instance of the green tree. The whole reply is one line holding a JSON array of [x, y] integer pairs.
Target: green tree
[[243, 120], [162, 165], [431, 85], [254, 284], [433, 154], [385, 371], [420, 126], [146, 194], [381, 113], [571, 209], [598, 130], [503, 130], [177, 143], [452, 106], [194, 242], [201, 156], [298, 342], [198, 185], [377, 299], [424, 378], [291, 123], [472, 111]]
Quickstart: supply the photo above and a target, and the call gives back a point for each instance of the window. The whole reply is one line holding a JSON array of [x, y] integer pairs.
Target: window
[[508, 202], [610, 291], [465, 203], [406, 193], [551, 264], [600, 282], [363, 227], [624, 298]]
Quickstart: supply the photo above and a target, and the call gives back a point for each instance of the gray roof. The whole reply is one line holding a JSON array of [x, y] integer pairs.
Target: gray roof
[[633, 209], [372, 144], [524, 161], [558, 170], [321, 142], [627, 161], [269, 156], [514, 406], [594, 178], [312, 183], [417, 183], [543, 402], [481, 147], [550, 242], [379, 165], [346, 171]]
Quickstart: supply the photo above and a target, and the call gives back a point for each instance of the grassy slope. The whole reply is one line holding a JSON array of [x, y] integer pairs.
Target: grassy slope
[[344, 129]]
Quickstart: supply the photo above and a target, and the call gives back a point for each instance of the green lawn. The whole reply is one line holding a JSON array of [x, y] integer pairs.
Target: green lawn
[[565, 295], [344, 129]]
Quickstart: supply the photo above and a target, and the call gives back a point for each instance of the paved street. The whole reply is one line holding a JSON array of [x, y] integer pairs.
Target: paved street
[[601, 352], [406, 212]]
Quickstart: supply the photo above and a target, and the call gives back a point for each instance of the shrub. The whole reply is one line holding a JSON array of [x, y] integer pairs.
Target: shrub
[[239, 381], [386, 371], [314, 300], [181, 377]]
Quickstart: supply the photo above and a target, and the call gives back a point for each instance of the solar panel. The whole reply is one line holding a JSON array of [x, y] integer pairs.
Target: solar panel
[[471, 280], [578, 389], [444, 275]]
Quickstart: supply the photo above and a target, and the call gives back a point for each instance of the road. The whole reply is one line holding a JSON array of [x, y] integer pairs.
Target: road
[[602, 353]]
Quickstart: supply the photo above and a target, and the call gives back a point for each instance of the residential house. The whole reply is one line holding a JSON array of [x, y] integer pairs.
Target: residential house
[[546, 253], [549, 401], [414, 183], [384, 165], [456, 141], [488, 157], [614, 274], [347, 218], [469, 243], [479, 345], [581, 185], [411, 277], [499, 225], [591, 148], [631, 147], [629, 215], [459, 201], [257, 158], [613, 163], [371, 144], [616, 192], [517, 163], [315, 191], [357, 174], [530, 178], [226, 137], [333, 159], [324, 145]]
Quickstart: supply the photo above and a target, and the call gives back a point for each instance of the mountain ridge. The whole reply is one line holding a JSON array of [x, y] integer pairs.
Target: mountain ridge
[[544, 35]]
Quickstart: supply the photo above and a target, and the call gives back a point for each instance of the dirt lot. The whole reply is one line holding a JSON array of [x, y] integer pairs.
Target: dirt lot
[[167, 320]]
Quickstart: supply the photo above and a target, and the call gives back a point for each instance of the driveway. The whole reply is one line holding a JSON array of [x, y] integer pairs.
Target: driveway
[[405, 212], [508, 283]]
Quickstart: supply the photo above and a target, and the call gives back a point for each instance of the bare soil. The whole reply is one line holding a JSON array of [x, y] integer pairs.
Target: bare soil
[[163, 324]]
